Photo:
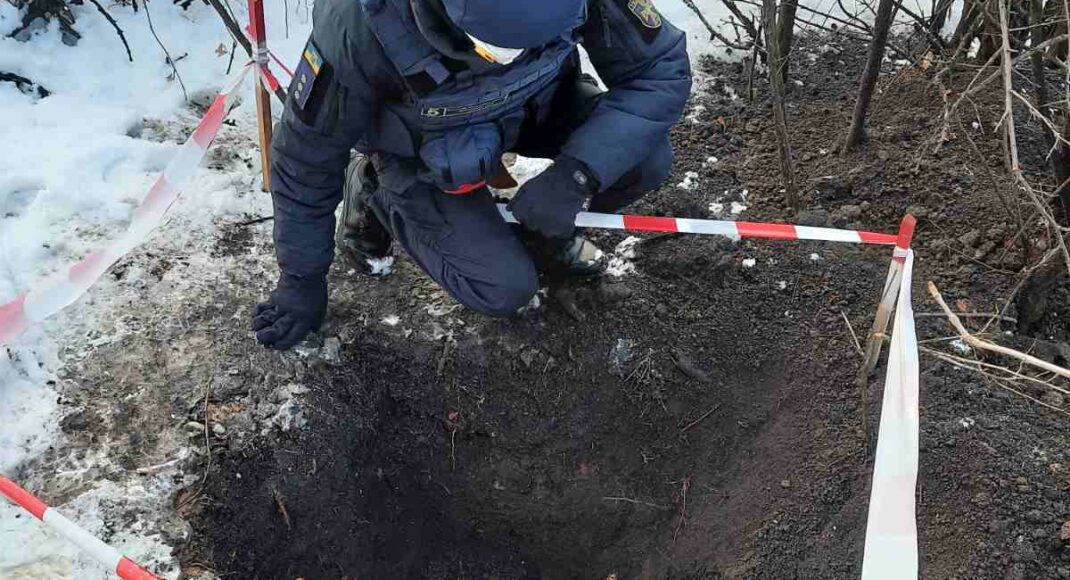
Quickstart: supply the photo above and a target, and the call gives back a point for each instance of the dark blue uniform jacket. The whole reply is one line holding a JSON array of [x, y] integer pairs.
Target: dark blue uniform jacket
[[359, 96]]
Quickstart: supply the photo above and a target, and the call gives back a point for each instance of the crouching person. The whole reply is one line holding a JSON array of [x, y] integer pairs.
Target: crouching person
[[432, 93]]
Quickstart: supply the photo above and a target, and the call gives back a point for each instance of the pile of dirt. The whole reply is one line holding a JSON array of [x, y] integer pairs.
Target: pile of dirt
[[694, 418]]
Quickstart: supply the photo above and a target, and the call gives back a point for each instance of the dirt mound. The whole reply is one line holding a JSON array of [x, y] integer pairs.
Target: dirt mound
[[696, 418]]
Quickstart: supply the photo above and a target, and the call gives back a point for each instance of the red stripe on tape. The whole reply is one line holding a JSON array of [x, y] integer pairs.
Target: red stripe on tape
[[88, 270], [268, 78], [209, 125], [649, 223], [906, 231], [767, 231], [12, 318], [22, 498], [875, 238], [154, 199], [127, 570]]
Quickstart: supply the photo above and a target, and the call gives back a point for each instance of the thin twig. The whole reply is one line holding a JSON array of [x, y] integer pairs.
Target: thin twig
[[259, 220], [951, 360], [115, 25], [1010, 319], [282, 508], [854, 337], [170, 60], [985, 345], [636, 502], [701, 417], [713, 31]]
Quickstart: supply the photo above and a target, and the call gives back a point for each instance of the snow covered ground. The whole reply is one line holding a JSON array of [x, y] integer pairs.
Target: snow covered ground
[[72, 168]]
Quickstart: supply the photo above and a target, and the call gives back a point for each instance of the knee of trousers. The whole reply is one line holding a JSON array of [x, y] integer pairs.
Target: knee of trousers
[[655, 169], [501, 294]]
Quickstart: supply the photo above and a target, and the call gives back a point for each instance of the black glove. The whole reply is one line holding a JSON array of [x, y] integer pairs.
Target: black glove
[[296, 307], [549, 202]]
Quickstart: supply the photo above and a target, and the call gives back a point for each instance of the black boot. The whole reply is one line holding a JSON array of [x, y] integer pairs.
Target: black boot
[[576, 256], [362, 240]]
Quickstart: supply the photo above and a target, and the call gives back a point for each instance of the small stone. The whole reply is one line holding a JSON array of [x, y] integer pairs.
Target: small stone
[[833, 187], [851, 212], [1021, 481], [785, 483], [332, 349], [984, 250], [970, 238], [1035, 516], [1054, 398], [219, 429], [813, 218], [1064, 532]]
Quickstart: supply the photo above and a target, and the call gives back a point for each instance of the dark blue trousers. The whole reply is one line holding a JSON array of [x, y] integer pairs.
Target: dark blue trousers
[[463, 243]]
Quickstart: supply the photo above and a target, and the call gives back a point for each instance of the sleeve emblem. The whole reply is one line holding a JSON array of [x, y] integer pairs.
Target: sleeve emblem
[[645, 12]]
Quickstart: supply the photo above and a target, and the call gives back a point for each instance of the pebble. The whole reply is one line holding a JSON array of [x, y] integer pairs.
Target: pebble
[[332, 349], [851, 212], [970, 238], [1054, 398], [219, 429], [785, 483], [814, 218]]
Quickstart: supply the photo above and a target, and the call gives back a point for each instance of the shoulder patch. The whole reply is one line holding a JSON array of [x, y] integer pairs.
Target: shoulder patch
[[645, 12], [305, 75]]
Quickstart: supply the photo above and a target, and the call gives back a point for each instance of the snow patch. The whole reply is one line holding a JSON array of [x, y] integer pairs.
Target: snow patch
[[690, 181], [693, 116], [381, 266], [960, 346]]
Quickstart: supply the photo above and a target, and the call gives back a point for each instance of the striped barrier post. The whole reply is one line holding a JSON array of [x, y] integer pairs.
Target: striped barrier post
[[889, 294], [40, 303], [122, 566], [258, 38]]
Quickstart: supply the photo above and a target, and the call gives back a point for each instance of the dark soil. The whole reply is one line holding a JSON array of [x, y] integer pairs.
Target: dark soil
[[695, 419]]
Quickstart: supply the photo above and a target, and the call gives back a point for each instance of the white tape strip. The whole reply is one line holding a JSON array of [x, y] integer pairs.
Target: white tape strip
[[89, 543], [891, 551], [44, 301]]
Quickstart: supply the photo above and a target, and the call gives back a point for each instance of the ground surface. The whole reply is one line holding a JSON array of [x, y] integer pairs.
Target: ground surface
[[695, 418]]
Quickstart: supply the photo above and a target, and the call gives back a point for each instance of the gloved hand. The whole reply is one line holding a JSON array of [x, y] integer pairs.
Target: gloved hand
[[549, 202], [296, 307]]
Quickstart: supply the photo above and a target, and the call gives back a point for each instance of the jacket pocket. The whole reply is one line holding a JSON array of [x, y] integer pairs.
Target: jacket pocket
[[462, 156]]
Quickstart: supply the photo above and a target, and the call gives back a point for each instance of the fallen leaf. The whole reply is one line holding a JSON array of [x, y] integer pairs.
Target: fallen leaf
[[221, 49], [962, 305]]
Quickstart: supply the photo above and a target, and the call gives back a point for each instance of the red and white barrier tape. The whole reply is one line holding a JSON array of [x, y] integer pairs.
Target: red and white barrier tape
[[40, 303], [124, 567], [734, 230], [891, 551]]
